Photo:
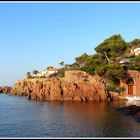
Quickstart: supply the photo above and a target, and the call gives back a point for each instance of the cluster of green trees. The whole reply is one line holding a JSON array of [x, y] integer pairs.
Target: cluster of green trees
[[108, 55], [106, 61]]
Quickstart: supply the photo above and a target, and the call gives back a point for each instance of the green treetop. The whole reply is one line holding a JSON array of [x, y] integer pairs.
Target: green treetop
[[61, 63], [112, 48], [35, 72], [135, 43], [81, 59]]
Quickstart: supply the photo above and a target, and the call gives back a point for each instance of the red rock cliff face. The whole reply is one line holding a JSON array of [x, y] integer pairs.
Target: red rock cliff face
[[5, 89], [64, 90]]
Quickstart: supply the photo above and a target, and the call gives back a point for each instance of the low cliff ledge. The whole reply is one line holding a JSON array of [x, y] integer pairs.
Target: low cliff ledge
[[70, 88]]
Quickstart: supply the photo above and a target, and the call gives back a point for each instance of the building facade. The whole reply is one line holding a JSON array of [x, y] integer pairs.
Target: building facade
[[44, 73], [132, 85], [135, 52]]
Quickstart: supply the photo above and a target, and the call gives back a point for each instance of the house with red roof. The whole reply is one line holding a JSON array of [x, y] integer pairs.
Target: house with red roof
[[135, 52]]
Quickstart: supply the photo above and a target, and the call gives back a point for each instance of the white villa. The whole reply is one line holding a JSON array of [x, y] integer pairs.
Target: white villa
[[135, 52], [41, 73], [45, 73]]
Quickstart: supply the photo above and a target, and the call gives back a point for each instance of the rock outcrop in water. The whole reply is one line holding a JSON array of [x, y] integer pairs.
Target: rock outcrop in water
[[91, 89], [5, 89], [132, 110]]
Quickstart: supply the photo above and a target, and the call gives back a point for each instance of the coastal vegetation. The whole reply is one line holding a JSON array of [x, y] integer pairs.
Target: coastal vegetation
[[112, 60], [106, 60]]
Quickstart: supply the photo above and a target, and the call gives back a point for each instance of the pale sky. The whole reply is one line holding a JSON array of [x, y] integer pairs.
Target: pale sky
[[37, 35]]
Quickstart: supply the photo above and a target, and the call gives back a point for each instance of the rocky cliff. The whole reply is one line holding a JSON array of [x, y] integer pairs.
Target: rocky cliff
[[84, 88], [5, 89]]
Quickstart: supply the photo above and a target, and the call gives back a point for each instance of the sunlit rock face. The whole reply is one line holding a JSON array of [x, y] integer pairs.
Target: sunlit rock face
[[76, 86], [5, 89]]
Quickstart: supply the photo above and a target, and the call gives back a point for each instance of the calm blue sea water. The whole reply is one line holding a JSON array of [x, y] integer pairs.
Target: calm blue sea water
[[20, 117]]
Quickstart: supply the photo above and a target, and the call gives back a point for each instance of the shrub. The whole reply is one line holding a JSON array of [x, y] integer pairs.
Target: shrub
[[29, 76], [113, 88], [89, 69], [121, 89], [59, 74], [86, 80]]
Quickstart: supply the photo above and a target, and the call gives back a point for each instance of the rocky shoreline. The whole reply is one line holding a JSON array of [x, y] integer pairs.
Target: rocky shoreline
[[59, 89], [5, 89], [56, 89], [75, 86], [133, 111]]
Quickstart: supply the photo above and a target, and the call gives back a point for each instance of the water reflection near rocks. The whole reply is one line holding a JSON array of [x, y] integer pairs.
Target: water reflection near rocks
[[22, 118], [95, 119]]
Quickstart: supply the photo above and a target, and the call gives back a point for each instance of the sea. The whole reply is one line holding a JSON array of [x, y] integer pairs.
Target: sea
[[20, 117]]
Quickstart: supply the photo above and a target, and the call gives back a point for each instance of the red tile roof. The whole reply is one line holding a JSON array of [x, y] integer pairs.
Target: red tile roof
[[53, 69]]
